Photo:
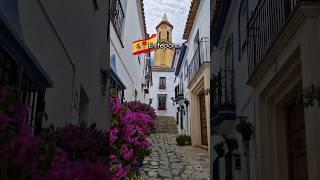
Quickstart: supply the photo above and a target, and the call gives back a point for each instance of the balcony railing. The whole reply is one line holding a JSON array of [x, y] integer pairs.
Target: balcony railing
[[178, 92], [265, 25], [13, 74], [117, 16], [200, 57], [223, 96]]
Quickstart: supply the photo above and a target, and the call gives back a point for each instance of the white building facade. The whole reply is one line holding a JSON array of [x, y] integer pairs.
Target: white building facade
[[69, 41], [180, 91], [231, 97], [162, 91], [132, 72], [264, 57], [194, 74]]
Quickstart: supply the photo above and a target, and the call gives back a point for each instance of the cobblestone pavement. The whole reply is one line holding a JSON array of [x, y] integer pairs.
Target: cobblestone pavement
[[170, 161]]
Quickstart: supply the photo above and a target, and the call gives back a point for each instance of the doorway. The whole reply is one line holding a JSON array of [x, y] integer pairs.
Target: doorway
[[297, 150], [203, 120]]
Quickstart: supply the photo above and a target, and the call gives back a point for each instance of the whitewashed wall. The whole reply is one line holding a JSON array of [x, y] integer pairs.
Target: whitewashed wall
[[68, 38], [129, 69], [201, 23], [154, 91], [243, 93]]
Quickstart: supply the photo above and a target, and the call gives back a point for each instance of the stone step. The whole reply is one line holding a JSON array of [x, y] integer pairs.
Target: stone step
[[166, 124]]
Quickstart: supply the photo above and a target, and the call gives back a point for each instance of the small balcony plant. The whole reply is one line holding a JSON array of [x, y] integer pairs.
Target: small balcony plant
[[245, 128]]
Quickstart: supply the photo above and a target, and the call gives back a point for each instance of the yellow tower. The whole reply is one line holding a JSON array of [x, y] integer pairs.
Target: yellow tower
[[163, 57]]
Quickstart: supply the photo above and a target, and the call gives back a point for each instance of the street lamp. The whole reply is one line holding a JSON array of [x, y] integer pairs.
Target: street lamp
[[173, 100]]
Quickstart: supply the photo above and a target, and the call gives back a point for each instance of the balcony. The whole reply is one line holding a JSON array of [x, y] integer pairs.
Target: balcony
[[200, 57], [266, 24], [179, 95], [223, 110], [117, 16]]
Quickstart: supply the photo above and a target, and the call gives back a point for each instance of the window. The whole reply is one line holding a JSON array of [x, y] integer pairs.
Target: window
[[27, 90], [186, 69], [159, 36], [243, 21], [196, 41], [96, 4], [135, 95], [168, 36], [229, 55], [117, 16], [162, 101], [162, 83]]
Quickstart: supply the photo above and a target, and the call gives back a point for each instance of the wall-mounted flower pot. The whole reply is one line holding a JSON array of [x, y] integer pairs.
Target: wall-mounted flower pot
[[219, 148], [245, 128], [232, 144]]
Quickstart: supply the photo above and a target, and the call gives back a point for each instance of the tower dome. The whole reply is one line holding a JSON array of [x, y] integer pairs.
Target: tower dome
[[164, 20]]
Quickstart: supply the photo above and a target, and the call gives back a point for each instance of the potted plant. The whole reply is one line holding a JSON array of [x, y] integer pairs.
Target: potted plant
[[232, 144], [311, 95], [219, 148], [183, 140], [245, 128]]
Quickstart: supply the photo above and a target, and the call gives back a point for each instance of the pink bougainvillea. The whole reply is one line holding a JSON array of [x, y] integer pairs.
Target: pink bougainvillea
[[132, 124], [74, 152], [24, 156]]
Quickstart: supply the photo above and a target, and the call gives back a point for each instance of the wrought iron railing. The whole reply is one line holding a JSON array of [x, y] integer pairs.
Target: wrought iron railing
[[148, 72], [178, 92], [223, 92], [266, 23], [200, 57], [27, 91], [117, 16]]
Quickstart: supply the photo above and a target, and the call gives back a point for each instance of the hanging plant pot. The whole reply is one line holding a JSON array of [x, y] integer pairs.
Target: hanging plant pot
[[232, 144], [219, 148], [246, 135], [245, 128]]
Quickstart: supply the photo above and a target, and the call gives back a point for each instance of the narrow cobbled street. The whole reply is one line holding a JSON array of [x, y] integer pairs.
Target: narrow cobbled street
[[170, 161]]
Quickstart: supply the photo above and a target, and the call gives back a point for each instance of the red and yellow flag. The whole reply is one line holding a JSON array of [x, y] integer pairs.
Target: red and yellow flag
[[142, 46]]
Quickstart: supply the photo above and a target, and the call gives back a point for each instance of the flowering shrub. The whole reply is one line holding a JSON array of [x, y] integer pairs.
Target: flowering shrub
[[80, 143], [131, 126], [23, 156], [136, 106], [74, 152]]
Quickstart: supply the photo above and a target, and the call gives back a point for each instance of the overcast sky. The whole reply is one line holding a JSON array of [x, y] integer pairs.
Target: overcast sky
[[177, 13]]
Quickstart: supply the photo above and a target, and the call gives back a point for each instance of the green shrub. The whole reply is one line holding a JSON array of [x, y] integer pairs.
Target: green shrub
[[188, 140], [183, 140]]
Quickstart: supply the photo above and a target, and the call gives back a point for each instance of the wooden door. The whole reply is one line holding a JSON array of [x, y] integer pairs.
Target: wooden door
[[203, 120], [297, 151]]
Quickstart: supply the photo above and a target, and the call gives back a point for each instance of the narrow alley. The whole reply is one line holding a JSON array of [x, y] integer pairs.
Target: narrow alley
[[170, 161]]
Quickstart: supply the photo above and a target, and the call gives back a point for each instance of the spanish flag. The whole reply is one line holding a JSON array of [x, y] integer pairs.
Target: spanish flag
[[142, 46]]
